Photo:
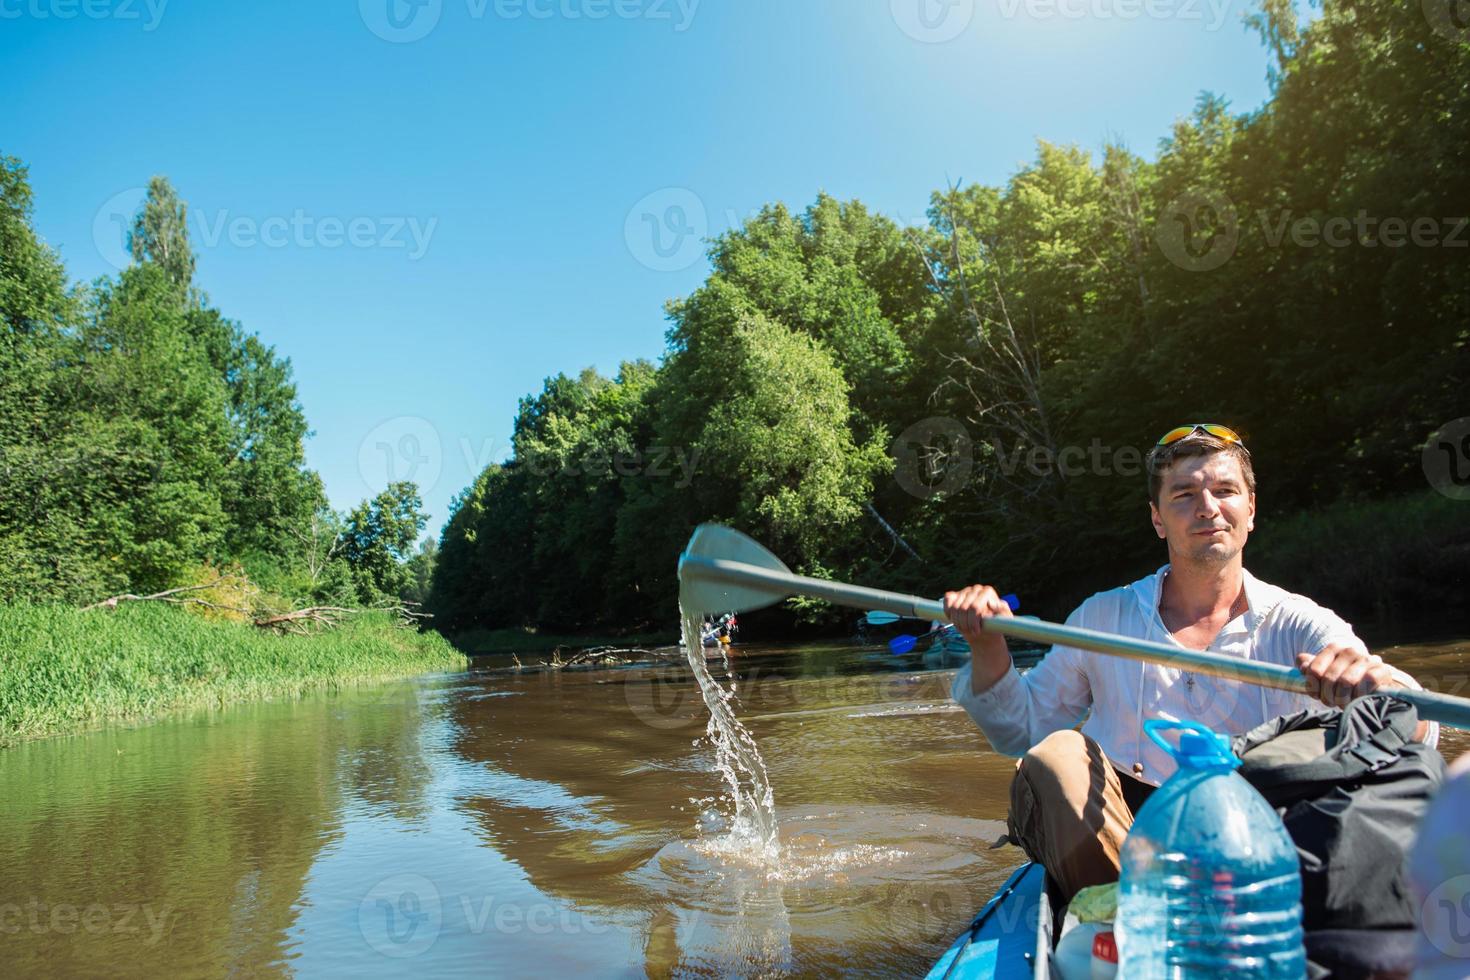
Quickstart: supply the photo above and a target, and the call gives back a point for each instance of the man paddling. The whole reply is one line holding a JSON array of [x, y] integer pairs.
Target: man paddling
[[1075, 792]]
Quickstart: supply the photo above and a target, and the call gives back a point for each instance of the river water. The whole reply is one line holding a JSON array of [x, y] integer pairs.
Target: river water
[[522, 824]]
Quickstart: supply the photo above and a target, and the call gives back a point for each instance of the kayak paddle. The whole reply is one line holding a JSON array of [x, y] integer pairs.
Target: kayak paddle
[[723, 569], [879, 617]]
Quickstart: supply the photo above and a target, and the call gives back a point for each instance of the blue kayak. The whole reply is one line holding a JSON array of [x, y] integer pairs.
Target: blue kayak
[[1010, 938]]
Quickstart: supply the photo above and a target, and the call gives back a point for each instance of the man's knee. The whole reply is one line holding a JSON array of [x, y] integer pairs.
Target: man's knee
[[1059, 753]]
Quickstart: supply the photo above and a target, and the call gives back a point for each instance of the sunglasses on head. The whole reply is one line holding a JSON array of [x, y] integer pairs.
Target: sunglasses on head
[[1221, 432]]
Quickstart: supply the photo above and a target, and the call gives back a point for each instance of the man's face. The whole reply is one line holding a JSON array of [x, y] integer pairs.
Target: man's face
[[1204, 510]]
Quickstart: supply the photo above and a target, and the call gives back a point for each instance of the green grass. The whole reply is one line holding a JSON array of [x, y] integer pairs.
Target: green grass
[[483, 642], [64, 671]]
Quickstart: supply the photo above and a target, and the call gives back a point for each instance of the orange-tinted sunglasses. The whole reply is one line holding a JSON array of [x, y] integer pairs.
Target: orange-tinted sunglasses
[[1221, 432]]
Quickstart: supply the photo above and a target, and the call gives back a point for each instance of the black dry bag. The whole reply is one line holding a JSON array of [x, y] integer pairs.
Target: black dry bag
[[1352, 787]]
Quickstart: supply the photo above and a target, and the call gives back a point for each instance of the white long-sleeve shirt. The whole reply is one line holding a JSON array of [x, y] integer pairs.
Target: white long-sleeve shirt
[[1020, 710]]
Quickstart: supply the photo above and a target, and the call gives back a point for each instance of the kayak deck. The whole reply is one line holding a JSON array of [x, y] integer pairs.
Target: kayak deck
[[1011, 937]]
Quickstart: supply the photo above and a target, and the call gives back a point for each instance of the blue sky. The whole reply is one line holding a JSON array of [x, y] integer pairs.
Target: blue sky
[[431, 206]]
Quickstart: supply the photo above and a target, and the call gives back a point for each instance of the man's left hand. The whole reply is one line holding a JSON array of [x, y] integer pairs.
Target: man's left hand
[[1340, 673]]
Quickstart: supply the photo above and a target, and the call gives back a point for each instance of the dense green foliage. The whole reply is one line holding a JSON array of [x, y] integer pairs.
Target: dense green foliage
[[64, 670], [144, 435], [922, 407]]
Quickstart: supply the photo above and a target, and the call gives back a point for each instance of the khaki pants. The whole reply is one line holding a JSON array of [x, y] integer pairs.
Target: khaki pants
[[1069, 811]]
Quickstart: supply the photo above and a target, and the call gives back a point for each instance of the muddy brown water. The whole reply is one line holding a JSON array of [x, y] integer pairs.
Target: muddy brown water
[[532, 824]]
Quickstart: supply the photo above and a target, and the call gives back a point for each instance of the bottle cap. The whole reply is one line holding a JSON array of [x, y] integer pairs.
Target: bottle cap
[[1198, 748], [1105, 947]]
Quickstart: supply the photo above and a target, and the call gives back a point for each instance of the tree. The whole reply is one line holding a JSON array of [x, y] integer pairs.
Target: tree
[[421, 573], [160, 234], [377, 539]]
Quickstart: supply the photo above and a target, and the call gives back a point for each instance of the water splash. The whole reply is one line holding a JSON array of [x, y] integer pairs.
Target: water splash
[[737, 757]]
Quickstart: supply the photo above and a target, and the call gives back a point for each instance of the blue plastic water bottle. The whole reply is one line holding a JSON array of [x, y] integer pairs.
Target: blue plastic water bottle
[[1210, 884]]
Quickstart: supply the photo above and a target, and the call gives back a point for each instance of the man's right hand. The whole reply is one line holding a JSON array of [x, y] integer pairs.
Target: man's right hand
[[968, 609]]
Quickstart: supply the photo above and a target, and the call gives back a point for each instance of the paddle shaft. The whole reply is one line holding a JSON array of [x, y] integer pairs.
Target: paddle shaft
[[1432, 706]]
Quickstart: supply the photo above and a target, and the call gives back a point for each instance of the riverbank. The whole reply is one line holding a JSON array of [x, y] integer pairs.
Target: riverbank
[[64, 671], [525, 642]]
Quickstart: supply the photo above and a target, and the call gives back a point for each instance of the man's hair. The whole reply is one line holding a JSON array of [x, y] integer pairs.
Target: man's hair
[[1160, 458]]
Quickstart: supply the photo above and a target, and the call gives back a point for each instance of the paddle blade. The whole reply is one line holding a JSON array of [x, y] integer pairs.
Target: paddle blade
[[902, 644], [880, 618], [701, 592]]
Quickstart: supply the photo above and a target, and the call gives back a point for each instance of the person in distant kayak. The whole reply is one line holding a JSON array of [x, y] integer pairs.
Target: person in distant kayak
[[1075, 792]]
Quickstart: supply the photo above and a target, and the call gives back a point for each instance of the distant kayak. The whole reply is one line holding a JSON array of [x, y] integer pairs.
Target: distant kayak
[[720, 631]]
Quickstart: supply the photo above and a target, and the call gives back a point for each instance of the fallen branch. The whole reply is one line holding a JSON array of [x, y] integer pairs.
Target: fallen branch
[[607, 657], [303, 621], [177, 596], [410, 615]]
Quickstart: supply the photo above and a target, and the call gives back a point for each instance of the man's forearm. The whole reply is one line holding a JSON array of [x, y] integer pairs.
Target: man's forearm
[[990, 660]]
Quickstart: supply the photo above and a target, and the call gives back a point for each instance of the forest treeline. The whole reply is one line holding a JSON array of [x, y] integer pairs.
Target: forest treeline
[[149, 442], [924, 406]]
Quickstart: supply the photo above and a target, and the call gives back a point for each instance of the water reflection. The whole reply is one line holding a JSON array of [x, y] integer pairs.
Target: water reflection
[[877, 783], [520, 825], [188, 843]]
